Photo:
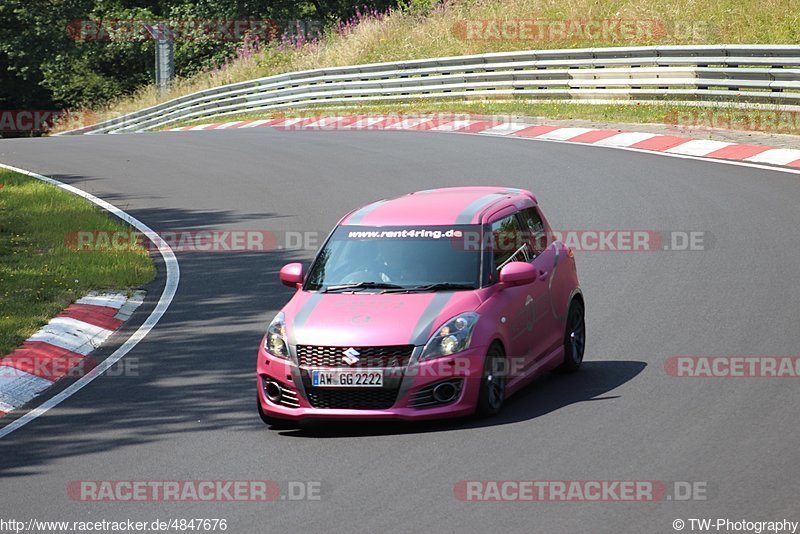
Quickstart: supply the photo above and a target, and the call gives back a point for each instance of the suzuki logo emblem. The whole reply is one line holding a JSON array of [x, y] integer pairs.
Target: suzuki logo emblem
[[351, 356]]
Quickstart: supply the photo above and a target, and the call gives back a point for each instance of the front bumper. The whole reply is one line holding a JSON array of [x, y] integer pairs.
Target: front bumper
[[414, 383]]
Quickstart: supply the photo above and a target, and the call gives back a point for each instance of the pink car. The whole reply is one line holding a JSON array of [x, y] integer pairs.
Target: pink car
[[439, 303]]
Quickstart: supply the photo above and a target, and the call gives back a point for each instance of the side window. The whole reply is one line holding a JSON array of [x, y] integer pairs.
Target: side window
[[507, 243], [533, 229]]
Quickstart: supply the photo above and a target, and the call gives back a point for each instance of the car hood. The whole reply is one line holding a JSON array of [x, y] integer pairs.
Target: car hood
[[366, 319]]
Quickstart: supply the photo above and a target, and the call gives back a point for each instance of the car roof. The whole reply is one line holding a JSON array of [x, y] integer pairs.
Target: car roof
[[438, 207]]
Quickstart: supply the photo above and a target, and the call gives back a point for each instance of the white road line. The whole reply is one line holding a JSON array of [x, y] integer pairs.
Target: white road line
[[170, 287]]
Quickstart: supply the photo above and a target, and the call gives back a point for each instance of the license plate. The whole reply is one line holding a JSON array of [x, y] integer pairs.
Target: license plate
[[346, 378]]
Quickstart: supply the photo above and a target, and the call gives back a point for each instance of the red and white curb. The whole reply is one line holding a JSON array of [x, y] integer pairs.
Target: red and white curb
[[62, 347], [649, 142]]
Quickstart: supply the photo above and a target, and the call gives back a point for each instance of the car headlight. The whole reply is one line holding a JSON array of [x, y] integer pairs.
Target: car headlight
[[275, 341], [451, 338]]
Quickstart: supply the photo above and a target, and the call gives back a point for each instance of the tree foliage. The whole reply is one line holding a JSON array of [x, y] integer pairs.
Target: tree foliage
[[48, 60]]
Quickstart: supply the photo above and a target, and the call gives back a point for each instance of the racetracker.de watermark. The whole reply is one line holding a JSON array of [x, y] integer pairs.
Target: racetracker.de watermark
[[43, 120], [390, 121], [566, 30], [222, 30], [75, 366], [226, 241], [602, 240], [733, 366], [194, 490], [643, 491], [753, 120], [186, 240]]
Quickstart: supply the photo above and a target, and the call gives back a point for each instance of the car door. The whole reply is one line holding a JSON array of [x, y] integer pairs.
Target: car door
[[521, 306], [543, 252]]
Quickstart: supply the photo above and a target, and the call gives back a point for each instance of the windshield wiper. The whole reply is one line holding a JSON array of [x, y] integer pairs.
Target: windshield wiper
[[440, 286], [362, 285]]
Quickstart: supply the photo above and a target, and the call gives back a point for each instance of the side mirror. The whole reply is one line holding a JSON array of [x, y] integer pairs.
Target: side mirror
[[292, 275], [517, 273]]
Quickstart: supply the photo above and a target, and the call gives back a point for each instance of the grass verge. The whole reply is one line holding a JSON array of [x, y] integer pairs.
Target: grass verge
[[39, 273]]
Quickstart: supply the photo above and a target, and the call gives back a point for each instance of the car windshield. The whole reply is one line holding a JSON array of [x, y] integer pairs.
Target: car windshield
[[362, 258]]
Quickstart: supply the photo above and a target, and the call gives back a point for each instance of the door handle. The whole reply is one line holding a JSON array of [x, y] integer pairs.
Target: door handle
[[543, 274]]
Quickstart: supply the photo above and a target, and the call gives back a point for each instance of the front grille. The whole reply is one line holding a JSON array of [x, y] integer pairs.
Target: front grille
[[353, 399], [289, 397], [390, 356]]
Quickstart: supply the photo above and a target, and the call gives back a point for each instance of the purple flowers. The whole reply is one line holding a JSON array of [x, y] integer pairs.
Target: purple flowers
[[343, 27]]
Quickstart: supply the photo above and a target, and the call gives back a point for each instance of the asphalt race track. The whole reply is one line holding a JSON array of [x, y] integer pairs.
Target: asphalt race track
[[189, 411]]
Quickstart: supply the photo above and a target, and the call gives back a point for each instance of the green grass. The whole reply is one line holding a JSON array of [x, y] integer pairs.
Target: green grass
[[39, 273], [622, 113]]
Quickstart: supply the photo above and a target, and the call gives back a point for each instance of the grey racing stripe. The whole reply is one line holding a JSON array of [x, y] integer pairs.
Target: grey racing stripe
[[425, 323], [475, 207], [302, 316], [357, 216]]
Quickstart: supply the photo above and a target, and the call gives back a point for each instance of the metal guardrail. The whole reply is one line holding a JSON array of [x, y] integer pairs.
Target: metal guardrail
[[713, 74]]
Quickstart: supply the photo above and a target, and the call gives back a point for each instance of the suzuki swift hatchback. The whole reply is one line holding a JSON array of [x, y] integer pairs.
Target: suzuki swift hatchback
[[435, 304]]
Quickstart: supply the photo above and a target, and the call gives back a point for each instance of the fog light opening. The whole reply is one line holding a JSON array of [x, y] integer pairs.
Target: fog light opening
[[445, 392], [273, 391]]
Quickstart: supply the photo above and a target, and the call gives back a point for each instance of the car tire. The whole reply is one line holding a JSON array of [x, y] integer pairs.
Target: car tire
[[273, 422], [493, 382], [574, 338]]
